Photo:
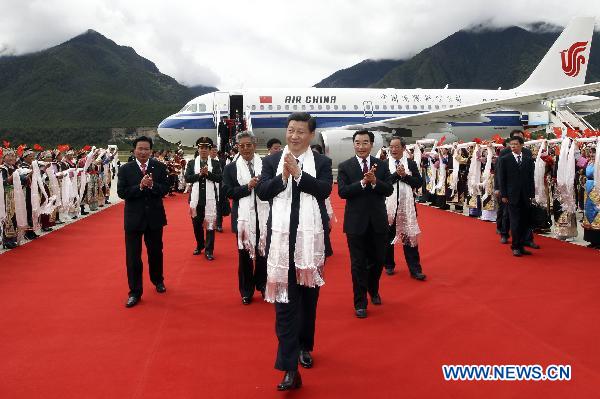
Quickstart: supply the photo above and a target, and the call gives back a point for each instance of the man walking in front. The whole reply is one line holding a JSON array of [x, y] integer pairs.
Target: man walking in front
[[296, 181], [143, 184]]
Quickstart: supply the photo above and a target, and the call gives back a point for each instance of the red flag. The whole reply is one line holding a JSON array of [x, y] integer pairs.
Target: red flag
[[266, 99], [477, 140], [572, 133], [442, 140], [38, 147], [497, 139], [558, 132], [1, 152], [6, 144], [20, 150], [62, 147], [86, 147], [527, 135]]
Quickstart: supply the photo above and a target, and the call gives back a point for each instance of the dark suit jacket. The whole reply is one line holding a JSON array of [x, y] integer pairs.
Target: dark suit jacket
[[516, 182], [414, 181], [191, 177], [498, 169], [271, 184], [364, 206], [143, 208], [233, 190]]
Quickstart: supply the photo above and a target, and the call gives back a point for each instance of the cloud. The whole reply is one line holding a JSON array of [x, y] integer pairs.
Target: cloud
[[266, 43]]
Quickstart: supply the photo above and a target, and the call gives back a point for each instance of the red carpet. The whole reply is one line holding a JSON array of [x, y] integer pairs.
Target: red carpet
[[66, 334]]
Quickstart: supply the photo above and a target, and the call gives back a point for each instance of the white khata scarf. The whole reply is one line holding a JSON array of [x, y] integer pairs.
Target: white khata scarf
[[2, 205], [565, 176], [309, 254], [210, 208], [474, 176], [455, 170], [246, 224], [485, 188], [538, 176], [20, 205], [401, 208]]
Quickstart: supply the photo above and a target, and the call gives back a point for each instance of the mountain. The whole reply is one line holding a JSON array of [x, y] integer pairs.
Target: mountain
[[88, 81], [475, 58], [363, 74]]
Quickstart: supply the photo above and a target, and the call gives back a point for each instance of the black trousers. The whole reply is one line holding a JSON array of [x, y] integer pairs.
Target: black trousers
[[252, 273], [367, 256], [502, 219], [411, 255], [198, 224], [295, 323], [133, 253], [519, 223]]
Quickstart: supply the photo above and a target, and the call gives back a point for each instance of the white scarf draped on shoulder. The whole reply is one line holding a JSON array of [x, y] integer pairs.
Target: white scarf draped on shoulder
[[401, 208], [210, 208], [247, 211], [309, 254]]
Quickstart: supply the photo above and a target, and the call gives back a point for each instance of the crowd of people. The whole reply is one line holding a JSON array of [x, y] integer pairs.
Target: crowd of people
[[41, 188], [561, 189]]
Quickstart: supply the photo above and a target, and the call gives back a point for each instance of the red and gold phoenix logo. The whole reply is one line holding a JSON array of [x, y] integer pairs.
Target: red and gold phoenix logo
[[572, 59]]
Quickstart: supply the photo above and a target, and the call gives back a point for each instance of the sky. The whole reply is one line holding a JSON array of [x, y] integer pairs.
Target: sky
[[251, 43]]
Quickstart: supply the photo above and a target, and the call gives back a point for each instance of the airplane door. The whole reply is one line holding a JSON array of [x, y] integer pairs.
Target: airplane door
[[221, 105], [368, 109]]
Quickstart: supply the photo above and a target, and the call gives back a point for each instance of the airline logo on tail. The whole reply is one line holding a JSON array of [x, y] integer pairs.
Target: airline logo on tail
[[572, 59]]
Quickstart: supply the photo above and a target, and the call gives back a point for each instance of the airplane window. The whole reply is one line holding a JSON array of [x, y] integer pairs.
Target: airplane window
[[385, 107], [444, 106], [368, 107], [327, 106], [355, 107], [201, 107], [422, 107], [312, 106], [254, 107], [278, 107], [414, 107], [376, 106], [451, 106], [344, 107], [320, 106], [262, 107], [287, 107], [270, 107], [295, 106], [392, 106], [437, 106], [303, 107], [193, 108], [335, 107], [429, 106]]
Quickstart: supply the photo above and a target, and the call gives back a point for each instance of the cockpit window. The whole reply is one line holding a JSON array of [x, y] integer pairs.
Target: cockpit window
[[201, 107], [193, 108]]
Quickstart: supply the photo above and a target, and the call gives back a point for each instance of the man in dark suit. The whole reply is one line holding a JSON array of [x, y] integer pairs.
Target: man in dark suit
[[142, 184], [363, 181], [252, 266], [516, 191], [204, 178], [295, 318], [413, 179], [502, 218]]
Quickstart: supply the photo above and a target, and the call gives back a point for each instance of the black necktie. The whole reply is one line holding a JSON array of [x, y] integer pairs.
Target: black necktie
[[365, 166], [519, 160], [251, 168]]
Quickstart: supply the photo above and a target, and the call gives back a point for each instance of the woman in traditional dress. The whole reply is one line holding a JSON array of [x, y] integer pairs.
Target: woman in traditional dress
[[591, 210]]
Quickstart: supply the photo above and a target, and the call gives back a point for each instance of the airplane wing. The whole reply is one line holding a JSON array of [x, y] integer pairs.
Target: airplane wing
[[474, 113]]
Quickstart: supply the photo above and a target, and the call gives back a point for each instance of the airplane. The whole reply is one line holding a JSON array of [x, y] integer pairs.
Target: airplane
[[460, 114]]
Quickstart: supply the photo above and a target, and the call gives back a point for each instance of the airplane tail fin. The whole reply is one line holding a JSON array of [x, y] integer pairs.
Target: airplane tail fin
[[565, 64]]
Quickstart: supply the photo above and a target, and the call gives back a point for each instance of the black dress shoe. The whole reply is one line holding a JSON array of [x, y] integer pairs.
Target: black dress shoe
[[132, 301], [246, 300], [376, 300], [503, 240], [209, 256], [305, 359], [160, 288], [419, 276], [30, 235], [57, 222], [525, 252], [47, 229], [516, 252], [9, 245], [197, 251], [84, 213], [531, 244], [389, 271], [361, 313], [291, 380]]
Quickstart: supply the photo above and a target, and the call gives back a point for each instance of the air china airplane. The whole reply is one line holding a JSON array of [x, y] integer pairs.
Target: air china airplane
[[463, 114]]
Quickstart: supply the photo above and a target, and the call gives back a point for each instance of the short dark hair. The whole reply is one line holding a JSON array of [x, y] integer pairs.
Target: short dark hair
[[364, 131], [519, 138], [142, 138], [402, 142], [303, 117], [273, 141], [516, 131]]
